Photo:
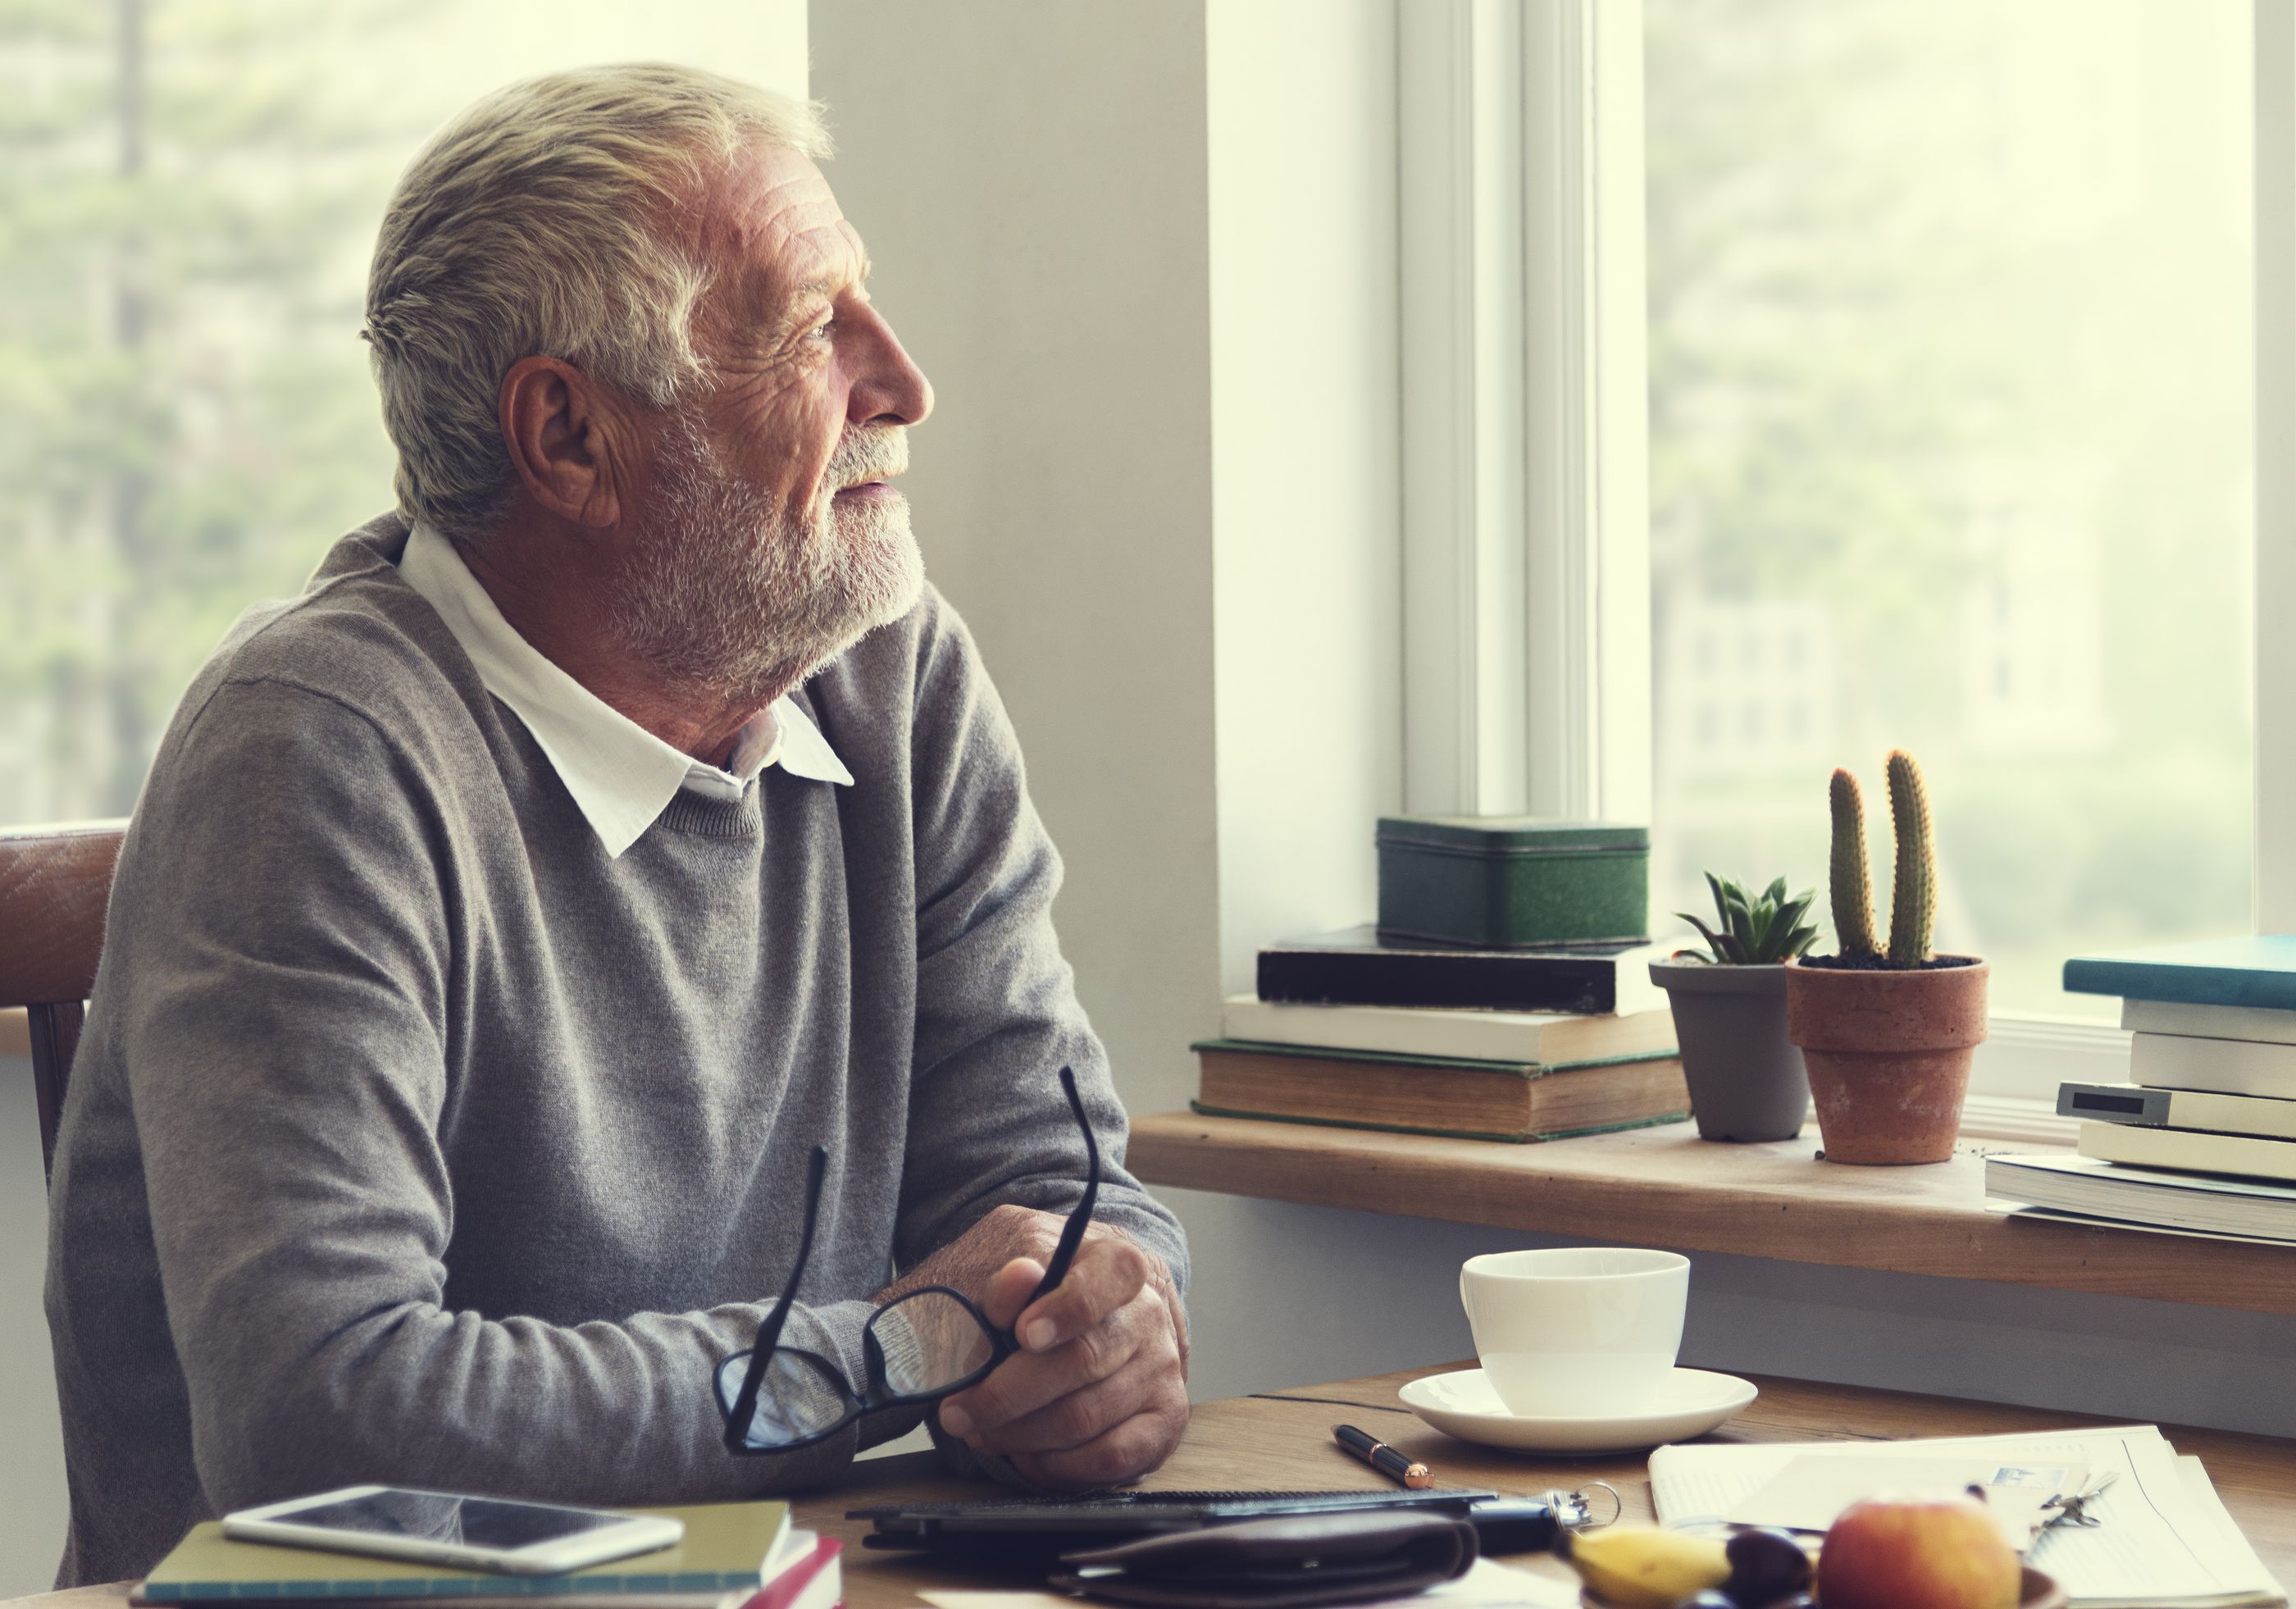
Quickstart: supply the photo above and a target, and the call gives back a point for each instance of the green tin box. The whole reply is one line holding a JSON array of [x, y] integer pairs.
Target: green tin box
[[1514, 880]]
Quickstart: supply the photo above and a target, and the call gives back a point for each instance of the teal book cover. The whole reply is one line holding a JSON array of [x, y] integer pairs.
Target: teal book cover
[[2260, 970]]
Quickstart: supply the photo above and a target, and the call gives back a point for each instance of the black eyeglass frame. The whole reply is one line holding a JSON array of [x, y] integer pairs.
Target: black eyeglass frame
[[878, 1395]]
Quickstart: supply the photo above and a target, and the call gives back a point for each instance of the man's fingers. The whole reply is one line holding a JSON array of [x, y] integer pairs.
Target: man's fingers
[[1124, 1453], [1106, 1274], [1028, 1380], [1073, 1420], [1009, 1289]]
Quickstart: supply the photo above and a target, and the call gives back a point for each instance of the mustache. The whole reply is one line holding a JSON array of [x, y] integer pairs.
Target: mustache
[[876, 452]]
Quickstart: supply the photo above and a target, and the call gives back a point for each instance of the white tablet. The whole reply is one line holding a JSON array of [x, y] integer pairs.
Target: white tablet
[[445, 1528]]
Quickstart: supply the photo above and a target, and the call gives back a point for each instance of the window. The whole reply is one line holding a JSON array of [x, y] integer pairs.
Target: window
[[188, 196], [1916, 346], [1949, 367]]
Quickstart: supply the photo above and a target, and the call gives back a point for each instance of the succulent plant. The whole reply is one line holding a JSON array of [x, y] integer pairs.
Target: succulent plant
[[1852, 888], [1753, 930], [1912, 905]]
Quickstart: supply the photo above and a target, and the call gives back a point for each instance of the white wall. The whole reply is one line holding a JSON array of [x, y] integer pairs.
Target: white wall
[[1204, 345], [1029, 178], [1159, 241], [1307, 605]]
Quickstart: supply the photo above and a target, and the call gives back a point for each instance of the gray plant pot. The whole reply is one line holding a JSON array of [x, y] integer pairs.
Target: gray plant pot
[[1746, 1078]]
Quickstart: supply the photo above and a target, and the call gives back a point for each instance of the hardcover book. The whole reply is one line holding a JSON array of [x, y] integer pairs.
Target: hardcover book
[[1363, 966], [727, 1547], [804, 1574], [2237, 1154], [1514, 1102], [2168, 1061], [2256, 972], [2257, 1023], [2200, 1109], [1547, 1039]]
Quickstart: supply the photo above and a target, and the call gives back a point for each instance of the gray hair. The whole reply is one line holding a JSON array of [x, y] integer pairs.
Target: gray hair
[[539, 223]]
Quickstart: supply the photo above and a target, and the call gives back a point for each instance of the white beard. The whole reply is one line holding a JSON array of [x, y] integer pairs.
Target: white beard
[[743, 599]]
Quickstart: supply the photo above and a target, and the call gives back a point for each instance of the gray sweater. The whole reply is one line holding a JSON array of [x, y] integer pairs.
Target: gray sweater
[[414, 1140]]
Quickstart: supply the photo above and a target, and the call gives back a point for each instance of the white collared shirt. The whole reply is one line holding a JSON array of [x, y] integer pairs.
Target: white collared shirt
[[620, 774]]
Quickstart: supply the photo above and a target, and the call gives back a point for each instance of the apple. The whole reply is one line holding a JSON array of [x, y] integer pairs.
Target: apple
[[1918, 1554]]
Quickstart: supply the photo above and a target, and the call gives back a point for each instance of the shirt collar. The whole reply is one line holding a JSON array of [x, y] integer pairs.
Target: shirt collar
[[619, 773]]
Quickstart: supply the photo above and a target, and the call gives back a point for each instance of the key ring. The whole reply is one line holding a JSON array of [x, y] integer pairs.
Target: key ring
[[1576, 1502]]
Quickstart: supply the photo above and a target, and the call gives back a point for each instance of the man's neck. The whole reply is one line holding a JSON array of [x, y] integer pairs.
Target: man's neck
[[554, 607]]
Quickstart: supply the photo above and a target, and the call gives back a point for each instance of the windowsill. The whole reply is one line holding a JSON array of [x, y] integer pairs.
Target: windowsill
[[2028, 1057], [2015, 1120], [1664, 1187]]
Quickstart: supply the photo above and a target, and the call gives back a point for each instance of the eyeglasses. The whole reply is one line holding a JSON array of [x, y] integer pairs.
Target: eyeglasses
[[922, 1346]]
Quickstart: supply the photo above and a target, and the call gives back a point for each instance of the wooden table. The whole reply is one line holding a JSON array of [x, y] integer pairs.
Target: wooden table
[[1664, 1187], [1284, 1439]]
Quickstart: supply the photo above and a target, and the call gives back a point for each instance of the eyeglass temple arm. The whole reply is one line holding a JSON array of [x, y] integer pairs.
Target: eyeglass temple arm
[[769, 1334], [1080, 1219]]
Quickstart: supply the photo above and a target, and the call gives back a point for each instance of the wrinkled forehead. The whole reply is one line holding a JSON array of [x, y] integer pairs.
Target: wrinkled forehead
[[772, 234]]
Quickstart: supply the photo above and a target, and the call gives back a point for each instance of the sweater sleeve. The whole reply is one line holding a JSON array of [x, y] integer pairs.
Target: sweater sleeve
[[998, 1015], [289, 920]]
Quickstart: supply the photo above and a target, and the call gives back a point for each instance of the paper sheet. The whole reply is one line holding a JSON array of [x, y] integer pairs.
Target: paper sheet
[[1807, 1494], [2164, 1535]]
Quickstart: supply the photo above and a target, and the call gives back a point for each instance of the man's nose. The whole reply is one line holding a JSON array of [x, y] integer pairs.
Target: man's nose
[[890, 389]]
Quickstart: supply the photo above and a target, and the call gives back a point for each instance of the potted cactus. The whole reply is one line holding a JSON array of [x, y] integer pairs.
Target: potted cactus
[[1745, 1076], [1887, 1036]]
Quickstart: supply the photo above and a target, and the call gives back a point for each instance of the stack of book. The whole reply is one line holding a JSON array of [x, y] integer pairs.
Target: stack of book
[[1515, 1045], [2201, 1138]]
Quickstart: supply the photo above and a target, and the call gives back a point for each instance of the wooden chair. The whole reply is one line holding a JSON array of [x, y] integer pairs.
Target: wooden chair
[[54, 882]]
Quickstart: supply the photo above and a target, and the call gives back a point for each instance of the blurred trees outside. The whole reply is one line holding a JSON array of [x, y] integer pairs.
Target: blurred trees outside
[[186, 205], [1951, 450]]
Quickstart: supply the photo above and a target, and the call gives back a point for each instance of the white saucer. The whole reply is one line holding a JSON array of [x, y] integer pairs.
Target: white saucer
[[1465, 1404]]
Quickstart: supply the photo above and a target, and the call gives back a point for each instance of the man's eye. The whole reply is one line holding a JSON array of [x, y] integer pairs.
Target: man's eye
[[820, 331]]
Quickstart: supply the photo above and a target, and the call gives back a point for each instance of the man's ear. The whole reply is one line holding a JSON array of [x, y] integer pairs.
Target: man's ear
[[570, 446]]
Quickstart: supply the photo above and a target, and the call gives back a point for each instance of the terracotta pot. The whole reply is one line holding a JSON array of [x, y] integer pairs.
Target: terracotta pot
[[1746, 1080], [1889, 1054]]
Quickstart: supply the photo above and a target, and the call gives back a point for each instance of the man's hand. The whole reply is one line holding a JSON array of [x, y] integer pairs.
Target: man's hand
[[1098, 1395]]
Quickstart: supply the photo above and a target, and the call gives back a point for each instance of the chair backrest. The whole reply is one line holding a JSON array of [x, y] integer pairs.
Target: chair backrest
[[54, 882]]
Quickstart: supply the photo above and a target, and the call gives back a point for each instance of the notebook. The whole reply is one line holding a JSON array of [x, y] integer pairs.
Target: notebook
[[2164, 1536], [727, 1547], [2141, 1198]]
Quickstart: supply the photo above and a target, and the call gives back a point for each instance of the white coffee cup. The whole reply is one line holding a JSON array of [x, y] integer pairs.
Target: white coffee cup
[[1577, 1331]]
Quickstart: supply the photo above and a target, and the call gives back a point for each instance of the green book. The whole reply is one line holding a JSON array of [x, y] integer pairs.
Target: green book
[[726, 1547], [2254, 971]]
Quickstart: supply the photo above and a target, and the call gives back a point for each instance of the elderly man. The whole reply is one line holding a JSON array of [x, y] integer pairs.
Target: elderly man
[[508, 917]]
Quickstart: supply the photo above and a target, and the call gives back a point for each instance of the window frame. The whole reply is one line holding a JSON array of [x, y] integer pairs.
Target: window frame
[[1527, 652]]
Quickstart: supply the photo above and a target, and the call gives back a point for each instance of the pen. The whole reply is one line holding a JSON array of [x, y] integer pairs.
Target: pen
[[1382, 1457]]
